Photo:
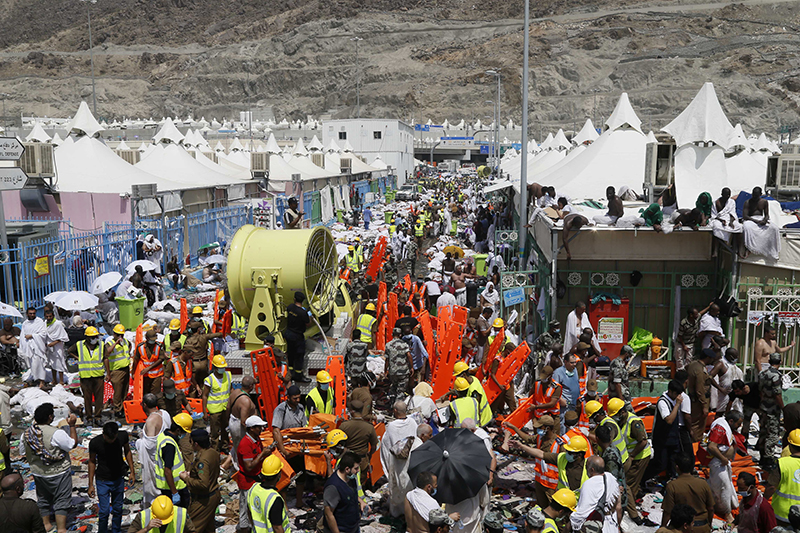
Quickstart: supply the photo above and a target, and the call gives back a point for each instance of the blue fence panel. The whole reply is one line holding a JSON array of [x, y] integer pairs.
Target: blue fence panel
[[308, 205], [44, 269], [280, 207]]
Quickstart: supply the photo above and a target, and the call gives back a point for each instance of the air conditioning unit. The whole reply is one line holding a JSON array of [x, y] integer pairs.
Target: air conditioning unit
[[318, 159], [345, 165], [192, 153], [259, 162], [37, 160], [147, 190], [130, 156], [212, 156]]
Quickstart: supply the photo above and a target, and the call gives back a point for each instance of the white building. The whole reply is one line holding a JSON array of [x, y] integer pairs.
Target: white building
[[391, 140]]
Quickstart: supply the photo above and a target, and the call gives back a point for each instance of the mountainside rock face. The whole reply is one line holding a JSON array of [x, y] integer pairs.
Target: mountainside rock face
[[422, 59]]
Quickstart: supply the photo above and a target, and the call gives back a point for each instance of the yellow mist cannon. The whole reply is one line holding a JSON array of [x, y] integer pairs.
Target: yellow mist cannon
[[266, 267]]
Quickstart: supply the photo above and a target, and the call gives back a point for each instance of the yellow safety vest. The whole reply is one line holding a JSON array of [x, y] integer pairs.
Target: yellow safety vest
[[562, 474], [177, 524], [788, 492], [618, 439], [364, 325], [121, 356], [238, 326], [453, 227], [177, 463], [260, 501], [323, 407], [464, 408], [550, 525], [392, 229], [219, 393], [360, 253], [90, 361], [485, 410], [630, 443], [419, 229], [352, 261]]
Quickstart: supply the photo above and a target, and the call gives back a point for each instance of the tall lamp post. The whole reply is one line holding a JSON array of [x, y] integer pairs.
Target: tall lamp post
[[523, 186], [494, 118], [4, 96], [91, 51], [358, 79], [496, 74]]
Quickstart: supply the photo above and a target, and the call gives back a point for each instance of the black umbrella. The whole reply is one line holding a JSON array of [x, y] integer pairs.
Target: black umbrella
[[459, 460]]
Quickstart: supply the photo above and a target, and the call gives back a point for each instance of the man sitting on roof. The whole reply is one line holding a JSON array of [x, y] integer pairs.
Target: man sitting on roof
[[615, 210], [761, 236]]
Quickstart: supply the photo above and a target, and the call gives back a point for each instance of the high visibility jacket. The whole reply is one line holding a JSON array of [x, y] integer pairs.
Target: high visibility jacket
[[220, 392], [181, 377], [583, 420], [90, 360], [566, 437], [121, 356], [631, 443], [545, 473], [484, 410], [392, 229], [463, 408], [360, 254], [562, 475], [618, 440], [260, 502], [322, 406], [419, 229], [238, 326], [582, 383], [168, 342], [788, 492], [148, 359], [352, 261], [453, 227], [364, 325], [177, 463], [550, 525], [176, 526], [345, 274], [541, 396]]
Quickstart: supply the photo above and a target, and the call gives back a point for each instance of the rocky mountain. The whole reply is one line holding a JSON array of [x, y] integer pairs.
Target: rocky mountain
[[416, 58]]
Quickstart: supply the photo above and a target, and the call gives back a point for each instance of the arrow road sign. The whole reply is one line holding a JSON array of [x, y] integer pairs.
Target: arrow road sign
[[12, 179], [10, 149]]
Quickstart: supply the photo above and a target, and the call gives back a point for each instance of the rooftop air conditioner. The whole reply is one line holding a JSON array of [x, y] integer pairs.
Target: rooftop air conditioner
[[212, 156], [318, 159], [147, 190], [345, 165], [259, 162], [37, 160], [130, 156]]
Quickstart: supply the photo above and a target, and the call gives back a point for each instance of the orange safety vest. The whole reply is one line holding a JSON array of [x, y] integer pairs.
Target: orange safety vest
[[541, 396], [583, 420], [545, 473], [582, 383], [182, 379], [345, 274], [413, 307], [574, 432], [148, 360]]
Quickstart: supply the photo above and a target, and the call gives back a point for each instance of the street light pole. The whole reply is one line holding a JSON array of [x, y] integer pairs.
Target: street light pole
[[494, 114], [358, 79], [91, 52], [523, 186], [496, 74]]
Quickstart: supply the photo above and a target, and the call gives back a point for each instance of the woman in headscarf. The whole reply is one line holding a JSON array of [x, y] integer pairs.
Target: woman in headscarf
[[490, 297], [704, 203]]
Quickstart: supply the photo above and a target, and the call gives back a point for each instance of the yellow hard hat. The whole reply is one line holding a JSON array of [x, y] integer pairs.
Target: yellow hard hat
[[175, 324], [197, 309], [614, 405], [323, 377], [370, 306], [163, 509], [91, 331], [119, 328], [271, 466], [461, 384], [219, 361], [577, 444], [358, 239], [566, 498], [592, 407], [335, 437], [498, 323], [794, 437], [460, 367], [351, 248], [184, 420]]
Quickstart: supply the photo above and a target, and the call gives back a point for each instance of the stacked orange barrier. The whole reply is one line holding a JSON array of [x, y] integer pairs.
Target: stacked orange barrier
[[378, 258], [335, 367], [488, 357], [383, 333], [134, 413], [449, 352], [268, 385], [391, 314], [427, 332], [407, 282], [506, 371], [184, 314]]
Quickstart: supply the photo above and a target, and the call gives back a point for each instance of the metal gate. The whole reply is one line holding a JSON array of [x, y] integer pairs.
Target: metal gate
[[781, 311]]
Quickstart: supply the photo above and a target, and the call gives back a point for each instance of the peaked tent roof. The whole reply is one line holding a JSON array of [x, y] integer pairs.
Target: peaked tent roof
[[738, 138], [168, 133], [763, 144], [587, 134], [547, 144], [333, 147], [38, 134], [300, 148], [236, 145], [560, 141], [703, 120], [624, 115], [56, 140], [651, 137], [272, 145], [123, 145], [315, 145], [84, 122], [174, 162]]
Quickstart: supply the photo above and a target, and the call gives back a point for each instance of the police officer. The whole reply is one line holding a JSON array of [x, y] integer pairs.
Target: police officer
[[267, 508], [399, 365], [118, 359], [770, 383], [169, 464], [202, 482], [412, 247], [216, 392]]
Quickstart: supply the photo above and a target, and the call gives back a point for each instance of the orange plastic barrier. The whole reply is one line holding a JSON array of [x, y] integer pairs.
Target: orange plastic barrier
[[383, 333], [268, 385], [378, 258], [391, 314], [335, 367], [449, 352], [134, 413], [506, 371], [427, 332], [494, 348], [184, 314], [375, 462], [407, 282], [520, 416]]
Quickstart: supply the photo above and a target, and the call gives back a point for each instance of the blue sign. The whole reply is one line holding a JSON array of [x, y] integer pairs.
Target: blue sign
[[485, 150], [422, 127], [513, 296], [436, 126], [458, 138], [516, 146]]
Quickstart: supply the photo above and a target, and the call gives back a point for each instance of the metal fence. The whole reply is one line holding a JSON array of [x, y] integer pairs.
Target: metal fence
[[780, 311], [215, 225]]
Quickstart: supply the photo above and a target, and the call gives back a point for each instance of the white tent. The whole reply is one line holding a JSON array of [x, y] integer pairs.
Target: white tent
[[587, 134], [624, 116], [38, 134], [56, 140], [703, 121], [168, 133], [84, 122], [315, 145], [122, 146], [172, 161], [272, 145], [560, 141], [738, 139], [380, 164]]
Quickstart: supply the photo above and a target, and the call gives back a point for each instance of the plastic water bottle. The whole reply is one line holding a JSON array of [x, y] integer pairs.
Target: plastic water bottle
[[459, 524]]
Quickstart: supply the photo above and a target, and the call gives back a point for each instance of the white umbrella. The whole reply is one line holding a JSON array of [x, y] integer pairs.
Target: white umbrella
[[214, 259], [7, 310], [53, 296], [105, 282], [77, 301], [144, 263]]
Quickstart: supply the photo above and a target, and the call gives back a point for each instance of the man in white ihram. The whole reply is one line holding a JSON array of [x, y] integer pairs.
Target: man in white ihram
[[33, 345], [153, 251], [396, 445], [599, 501], [577, 321]]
